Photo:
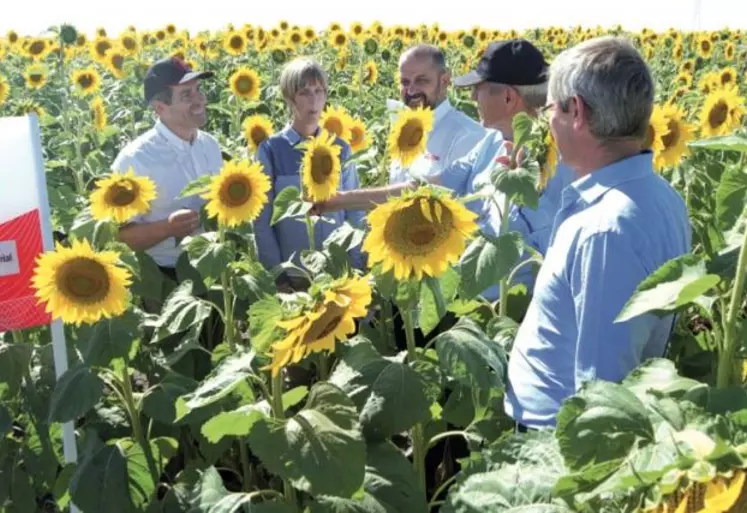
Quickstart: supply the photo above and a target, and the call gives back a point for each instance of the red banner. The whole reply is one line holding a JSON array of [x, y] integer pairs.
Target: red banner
[[20, 244]]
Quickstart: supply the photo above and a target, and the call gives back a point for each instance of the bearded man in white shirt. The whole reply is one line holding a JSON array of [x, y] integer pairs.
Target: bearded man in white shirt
[[424, 80], [174, 152]]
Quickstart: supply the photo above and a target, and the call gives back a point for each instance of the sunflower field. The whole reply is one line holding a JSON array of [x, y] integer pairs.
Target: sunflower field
[[376, 392]]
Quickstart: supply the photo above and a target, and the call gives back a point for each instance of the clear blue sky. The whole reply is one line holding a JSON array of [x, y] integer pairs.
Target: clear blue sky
[[35, 17]]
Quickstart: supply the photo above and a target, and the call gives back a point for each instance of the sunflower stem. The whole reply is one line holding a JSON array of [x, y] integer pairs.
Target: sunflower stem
[[384, 322], [227, 303], [134, 414], [726, 367], [503, 307], [435, 285], [279, 413], [310, 232], [418, 437], [246, 467]]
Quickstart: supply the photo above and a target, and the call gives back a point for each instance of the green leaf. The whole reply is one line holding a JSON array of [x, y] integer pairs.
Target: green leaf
[[159, 401], [390, 486], [320, 449], [98, 233], [288, 204], [22, 495], [731, 196], [208, 254], [602, 422], [674, 285], [254, 283], [264, 316], [487, 260], [467, 355], [61, 489], [521, 126], [345, 236], [221, 381], [518, 184], [198, 186], [76, 392], [100, 482], [14, 362], [429, 317], [181, 312], [140, 484], [109, 339], [659, 375], [149, 282], [723, 142], [238, 422], [389, 395]]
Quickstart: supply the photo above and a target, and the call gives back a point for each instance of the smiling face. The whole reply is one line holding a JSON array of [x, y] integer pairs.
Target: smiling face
[[186, 111], [421, 82]]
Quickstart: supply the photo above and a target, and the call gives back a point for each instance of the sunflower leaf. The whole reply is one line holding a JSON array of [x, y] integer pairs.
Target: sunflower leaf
[[376, 385], [14, 361], [487, 260], [100, 481], [674, 285], [227, 376], [98, 233], [198, 186], [288, 204], [208, 254], [520, 185], [731, 196], [320, 450], [264, 316], [77, 391], [724, 142]]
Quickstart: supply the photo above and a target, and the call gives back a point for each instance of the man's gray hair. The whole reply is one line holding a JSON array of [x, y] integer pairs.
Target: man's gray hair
[[614, 82], [534, 95], [298, 73], [425, 51]]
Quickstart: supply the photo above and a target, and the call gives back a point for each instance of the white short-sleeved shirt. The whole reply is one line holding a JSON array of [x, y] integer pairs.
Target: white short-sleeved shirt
[[172, 163], [453, 136]]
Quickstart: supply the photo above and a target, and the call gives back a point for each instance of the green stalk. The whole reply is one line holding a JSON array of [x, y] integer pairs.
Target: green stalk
[[438, 296], [418, 437], [137, 429], [246, 467], [227, 303], [279, 413], [503, 308], [725, 376], [310, 232]]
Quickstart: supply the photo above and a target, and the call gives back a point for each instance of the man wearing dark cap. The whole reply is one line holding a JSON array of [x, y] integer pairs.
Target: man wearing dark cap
[[511, 77], [172, 153]]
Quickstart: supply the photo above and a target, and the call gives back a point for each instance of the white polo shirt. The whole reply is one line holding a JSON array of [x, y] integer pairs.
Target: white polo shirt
[[454, 134], [172, 163]]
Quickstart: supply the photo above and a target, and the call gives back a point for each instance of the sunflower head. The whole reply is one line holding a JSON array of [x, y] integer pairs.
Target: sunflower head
[[320, 166], [657, 127], [338, 39], [722, 112], [129, 44], [120, 197], [418, 234], [257, 128], [370, 73], [322, 322], [80, 285], [238, 194], [38, 48], [98, 114], [99, 48], [244, 83], [87, 80], [115, 62], [408, 137], [235, 43], [337, 120], [36, 77], [675, 138]]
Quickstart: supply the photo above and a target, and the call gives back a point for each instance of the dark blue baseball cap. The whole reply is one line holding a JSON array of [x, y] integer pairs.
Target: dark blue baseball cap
[[169, 72], [511, 62]]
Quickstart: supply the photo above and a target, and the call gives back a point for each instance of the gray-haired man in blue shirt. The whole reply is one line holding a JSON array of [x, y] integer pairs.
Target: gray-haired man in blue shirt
[[617, 223]]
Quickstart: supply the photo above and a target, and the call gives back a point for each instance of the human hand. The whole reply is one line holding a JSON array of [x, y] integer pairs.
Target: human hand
[[506, 159], [183, 222]]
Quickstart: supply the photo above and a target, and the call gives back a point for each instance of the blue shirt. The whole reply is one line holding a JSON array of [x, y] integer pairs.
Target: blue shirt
[[614, 228], [471, 173], [281, 160]]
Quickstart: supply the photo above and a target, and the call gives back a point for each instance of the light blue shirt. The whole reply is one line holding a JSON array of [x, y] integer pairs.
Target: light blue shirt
[[614, 228], [471, 173], [453, 135], [281, 160]]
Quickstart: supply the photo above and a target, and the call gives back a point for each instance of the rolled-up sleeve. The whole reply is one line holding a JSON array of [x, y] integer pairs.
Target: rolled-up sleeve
[[267, 243]]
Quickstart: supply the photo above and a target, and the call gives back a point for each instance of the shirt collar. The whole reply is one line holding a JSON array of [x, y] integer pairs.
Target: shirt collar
[[292, 136], [594, 185], [443, 108], [173, 139]]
